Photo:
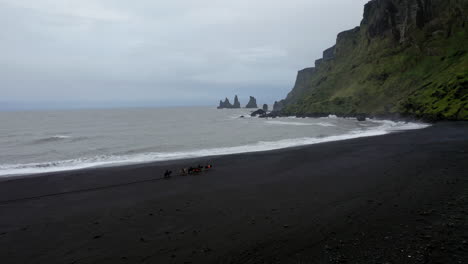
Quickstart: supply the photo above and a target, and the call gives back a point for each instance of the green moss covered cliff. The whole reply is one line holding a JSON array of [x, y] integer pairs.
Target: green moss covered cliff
[[407, 58]]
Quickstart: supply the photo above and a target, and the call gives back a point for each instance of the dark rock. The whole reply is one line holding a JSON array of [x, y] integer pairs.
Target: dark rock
[[265, 107], [397, 19], [361, 117], [259, 112], [329, 54], [252, 103], [318, 62], [225, 104], [236, 103], [274, 114], [277, 106]]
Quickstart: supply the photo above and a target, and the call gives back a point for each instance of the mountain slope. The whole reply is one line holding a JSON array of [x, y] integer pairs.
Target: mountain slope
[[407, 58]]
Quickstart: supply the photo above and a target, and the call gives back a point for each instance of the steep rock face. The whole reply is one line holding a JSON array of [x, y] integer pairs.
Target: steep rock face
[[408, 57], [236, 103], [302, 83], [278, 106], [252, 103], [397, 18], [329, 54], [225, 104]]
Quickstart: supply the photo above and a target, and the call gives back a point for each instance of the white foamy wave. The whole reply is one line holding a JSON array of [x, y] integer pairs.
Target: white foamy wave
[[288, 123], [61, 136], [111, 160], [326, 124], [399, 125]]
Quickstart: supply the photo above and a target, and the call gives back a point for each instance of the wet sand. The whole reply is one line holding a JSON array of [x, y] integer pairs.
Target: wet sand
[[398, 198]]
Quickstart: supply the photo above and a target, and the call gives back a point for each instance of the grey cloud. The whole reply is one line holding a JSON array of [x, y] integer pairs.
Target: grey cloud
[[162, 52]]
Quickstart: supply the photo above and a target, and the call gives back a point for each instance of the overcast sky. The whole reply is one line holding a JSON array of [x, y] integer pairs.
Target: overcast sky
[[152, 52]]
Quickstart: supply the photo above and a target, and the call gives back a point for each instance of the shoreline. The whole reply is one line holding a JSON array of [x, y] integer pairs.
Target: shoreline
[[383, 129], [365, 200]]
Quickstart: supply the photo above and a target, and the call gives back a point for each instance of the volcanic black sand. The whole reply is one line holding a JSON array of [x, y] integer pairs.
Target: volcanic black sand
[[398, 198]]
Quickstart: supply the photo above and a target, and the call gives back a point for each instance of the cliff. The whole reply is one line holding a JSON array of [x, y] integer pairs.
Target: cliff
[[407, 58]]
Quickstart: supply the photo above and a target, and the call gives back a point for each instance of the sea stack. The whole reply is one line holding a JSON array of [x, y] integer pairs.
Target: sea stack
[[265, 107], [225, 104], [236, 103], [252, 103]]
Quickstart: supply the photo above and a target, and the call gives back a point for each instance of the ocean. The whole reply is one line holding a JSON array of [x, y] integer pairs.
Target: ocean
[[48, 141]]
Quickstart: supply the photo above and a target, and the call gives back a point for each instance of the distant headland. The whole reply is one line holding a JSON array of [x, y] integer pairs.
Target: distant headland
[[408, 58]]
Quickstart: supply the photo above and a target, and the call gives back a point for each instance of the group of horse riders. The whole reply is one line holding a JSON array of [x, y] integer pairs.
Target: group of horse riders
[[191, 170]]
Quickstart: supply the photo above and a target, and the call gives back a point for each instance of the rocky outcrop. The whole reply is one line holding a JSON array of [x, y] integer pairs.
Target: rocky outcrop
[[329, 54], [302, 83], [252, 103], [225, 104], [265, 107], [361, 117], [407, 58], [259, 112], [318, 63], [236, 103], [278, 106], [397, 19]]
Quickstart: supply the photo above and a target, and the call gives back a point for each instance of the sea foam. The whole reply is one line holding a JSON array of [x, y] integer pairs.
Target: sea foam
[[385, 127]]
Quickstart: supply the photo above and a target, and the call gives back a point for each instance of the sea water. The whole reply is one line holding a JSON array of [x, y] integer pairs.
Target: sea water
[[47, 141]]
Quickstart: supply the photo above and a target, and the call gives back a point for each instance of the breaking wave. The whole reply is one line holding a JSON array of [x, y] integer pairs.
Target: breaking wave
[[51, 139], [288, 123], [385, 127], [324, 124]]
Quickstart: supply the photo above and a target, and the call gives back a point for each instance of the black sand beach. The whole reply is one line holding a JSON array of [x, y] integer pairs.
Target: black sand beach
[[398, 198]]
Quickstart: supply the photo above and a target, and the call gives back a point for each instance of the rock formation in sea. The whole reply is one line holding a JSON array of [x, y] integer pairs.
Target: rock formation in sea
[[407, 58], [236, 103], [225, 104], [252, 103], [265, 107], [259, 112]]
